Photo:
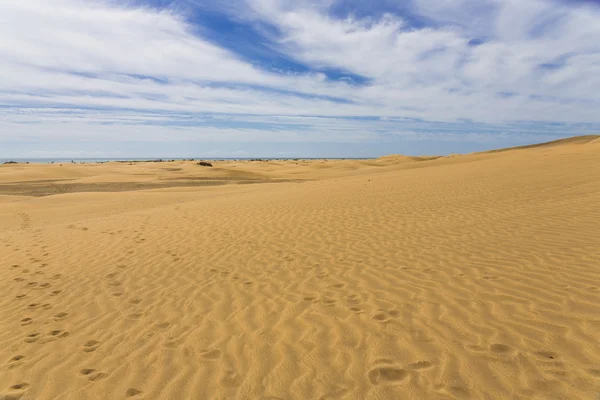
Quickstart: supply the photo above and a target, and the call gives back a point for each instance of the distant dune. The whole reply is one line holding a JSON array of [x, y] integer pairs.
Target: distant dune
[[474, 276]]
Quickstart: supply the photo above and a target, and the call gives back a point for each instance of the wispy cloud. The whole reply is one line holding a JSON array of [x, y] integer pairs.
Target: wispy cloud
[[335, 71]]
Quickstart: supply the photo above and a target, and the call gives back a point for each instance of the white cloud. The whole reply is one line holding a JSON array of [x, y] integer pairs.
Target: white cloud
[[83, 53]]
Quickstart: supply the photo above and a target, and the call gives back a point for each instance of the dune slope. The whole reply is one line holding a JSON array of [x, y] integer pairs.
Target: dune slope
[[471, 277]]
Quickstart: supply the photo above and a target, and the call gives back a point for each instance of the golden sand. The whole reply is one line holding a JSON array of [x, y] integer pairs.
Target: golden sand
[[465, 277]]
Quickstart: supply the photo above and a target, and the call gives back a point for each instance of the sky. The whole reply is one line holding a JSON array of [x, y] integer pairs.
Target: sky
[[293, 78]]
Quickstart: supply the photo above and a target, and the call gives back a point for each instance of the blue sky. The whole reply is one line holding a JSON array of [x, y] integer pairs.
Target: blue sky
[[283, 78]]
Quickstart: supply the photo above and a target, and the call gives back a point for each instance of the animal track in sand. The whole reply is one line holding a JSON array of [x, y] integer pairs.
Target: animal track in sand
[[59, 333], [55, 292], [499, 348], [26, 321], [310, 298], [90, 346], [15, 361], [328, 301], [385, 315], [388, 375], [20, 296], [353, 299], [131, 392], [210, 354], [231, 379], [57, 276], [14, 266], [32, 338], [61, 315], [91, 374], [19, 279], [15, 392], [356, 309], [337, 285], [45, 306], [135, 301]]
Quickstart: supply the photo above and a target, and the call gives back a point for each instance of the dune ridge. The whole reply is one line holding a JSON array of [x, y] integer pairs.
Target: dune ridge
[[468, 277]]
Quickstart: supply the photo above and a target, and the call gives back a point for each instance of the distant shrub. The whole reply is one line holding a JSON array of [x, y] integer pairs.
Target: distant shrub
[[11, 162], [204, 164]]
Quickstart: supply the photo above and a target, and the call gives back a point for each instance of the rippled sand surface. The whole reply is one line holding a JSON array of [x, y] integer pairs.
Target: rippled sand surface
[[463, 277]]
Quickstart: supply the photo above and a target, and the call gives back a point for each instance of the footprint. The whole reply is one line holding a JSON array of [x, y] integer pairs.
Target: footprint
[[231, 379], [26, 321], [135, 301], [16, 391], [44, 285], [20, 296], [57, 276], [337, 285], [210, 354], [15, 361], [388, 376], [329, 302], [355, 309], [55, 292], [59, 333], [19, 279], [91, 345], [32, 337], [92, 375], [61, 315], [131, 392], [310, 298], [118, 294], [499, 348], [87, 371], [248, 283], [115, 283], [420, 365], [381, 317]]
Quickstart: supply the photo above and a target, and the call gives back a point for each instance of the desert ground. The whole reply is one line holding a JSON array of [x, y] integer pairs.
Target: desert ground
[[470, 276]]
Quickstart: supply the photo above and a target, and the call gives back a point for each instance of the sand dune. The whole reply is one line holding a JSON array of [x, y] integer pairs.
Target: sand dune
[[467, 277]]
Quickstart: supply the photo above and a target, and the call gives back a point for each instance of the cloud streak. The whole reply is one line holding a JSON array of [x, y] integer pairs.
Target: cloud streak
[[73, 68]]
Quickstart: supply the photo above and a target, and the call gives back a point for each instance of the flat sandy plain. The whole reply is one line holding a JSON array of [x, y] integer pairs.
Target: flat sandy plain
[[463, 277]]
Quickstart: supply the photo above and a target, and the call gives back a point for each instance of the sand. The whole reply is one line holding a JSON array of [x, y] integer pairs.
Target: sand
[[465, 277]]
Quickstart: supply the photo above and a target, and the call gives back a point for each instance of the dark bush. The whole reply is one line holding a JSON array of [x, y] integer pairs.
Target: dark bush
[[204, 164]]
